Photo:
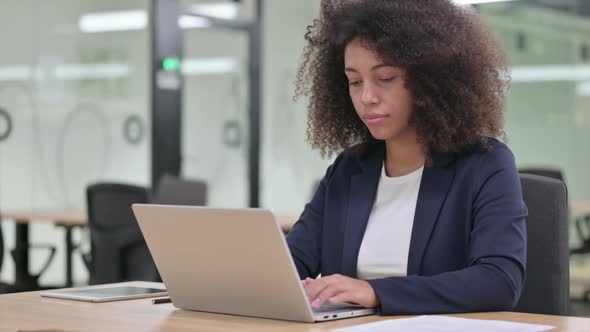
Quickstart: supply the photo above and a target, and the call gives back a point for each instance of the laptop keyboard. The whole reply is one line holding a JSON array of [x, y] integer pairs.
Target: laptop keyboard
[[329, 307]]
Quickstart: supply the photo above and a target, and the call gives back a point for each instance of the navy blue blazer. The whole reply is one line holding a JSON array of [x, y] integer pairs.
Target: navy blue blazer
[[468, 243]]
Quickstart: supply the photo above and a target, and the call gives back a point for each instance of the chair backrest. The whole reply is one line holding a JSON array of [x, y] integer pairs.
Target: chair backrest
[[549, 172], [314, 187], [175, 191], [546, 288], [118, 249]]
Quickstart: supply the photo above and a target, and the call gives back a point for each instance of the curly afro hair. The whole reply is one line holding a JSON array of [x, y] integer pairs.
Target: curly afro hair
[[456, 71]]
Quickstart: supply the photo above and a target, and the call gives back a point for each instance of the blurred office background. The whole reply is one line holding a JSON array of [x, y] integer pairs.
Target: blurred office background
[[75, 105]]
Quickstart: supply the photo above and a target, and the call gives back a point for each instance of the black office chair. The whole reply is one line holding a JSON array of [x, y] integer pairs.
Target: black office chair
[[546, 288], [582, 222], [175, 191], [550, 172], [118, 249], [314, 187]]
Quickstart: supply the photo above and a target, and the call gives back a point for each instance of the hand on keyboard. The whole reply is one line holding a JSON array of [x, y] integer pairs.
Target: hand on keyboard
[[337, 288]]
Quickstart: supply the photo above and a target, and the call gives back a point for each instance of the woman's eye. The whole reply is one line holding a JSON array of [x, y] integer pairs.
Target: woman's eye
[[388, 79], [354, 83]]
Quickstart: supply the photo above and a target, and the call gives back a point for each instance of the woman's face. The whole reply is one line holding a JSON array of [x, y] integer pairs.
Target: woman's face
[[378, 93]]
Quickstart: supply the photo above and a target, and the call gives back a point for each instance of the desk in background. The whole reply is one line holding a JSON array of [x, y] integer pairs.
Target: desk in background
[[29, 311], [66, 218], [286, 220], [580, 208]]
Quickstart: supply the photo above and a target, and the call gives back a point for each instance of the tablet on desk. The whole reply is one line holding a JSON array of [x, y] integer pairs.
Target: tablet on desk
[[105, 294]]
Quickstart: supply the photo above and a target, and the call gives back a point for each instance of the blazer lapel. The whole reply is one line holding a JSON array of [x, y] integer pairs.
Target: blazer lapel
[[434, 187], [361, 195]]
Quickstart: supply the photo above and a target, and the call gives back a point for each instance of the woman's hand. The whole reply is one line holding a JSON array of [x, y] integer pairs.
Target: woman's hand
[[337, 289]]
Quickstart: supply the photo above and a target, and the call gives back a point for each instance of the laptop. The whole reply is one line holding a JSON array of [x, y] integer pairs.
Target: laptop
[[230, 261]]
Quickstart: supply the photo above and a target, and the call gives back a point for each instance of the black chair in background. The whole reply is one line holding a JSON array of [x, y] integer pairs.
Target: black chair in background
[[118, 250], [546, 289], [582, 223], [175, 191], [548, 172], [314, 187]]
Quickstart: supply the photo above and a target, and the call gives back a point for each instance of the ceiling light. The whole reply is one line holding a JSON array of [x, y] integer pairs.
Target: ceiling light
[[138, 20], [113, 21], [226, 11], [98, 71], [550, 73], [91, 71], [15, 73], [193, 22]]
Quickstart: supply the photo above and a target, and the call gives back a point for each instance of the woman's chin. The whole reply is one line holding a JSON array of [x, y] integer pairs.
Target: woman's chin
[[380, 136]]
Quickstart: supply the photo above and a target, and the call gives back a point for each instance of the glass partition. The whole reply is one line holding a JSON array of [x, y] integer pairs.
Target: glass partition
[[215, 104], [74, 109]]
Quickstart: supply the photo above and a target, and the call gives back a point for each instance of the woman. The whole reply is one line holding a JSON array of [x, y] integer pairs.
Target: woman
[[422, 212]]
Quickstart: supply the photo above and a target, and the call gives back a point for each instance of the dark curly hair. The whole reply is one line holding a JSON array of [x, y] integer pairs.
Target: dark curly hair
[[456, 71]]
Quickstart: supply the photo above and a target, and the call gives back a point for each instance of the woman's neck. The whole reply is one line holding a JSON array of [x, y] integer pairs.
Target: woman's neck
[[403, 156]]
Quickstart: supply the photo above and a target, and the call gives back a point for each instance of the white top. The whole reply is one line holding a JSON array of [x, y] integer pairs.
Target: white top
[[386, 243]]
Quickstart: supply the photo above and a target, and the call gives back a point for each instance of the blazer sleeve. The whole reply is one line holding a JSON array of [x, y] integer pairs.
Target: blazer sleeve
[[304, 239], [494, 277]]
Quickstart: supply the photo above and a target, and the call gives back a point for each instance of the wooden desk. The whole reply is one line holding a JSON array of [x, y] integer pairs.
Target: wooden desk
[[580, 208], [70, 217], [29, 311], [286, 219], [67, 218]]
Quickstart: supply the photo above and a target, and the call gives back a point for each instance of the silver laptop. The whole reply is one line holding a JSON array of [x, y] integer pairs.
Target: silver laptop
[[231, 261]]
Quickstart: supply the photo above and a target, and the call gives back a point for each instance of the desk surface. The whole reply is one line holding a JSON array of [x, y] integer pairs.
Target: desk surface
[[580, 207], [72, 217], [29, 311], [78, 217]]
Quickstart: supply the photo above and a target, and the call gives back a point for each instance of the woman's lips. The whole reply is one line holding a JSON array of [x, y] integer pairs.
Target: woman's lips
[[374, 118]]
